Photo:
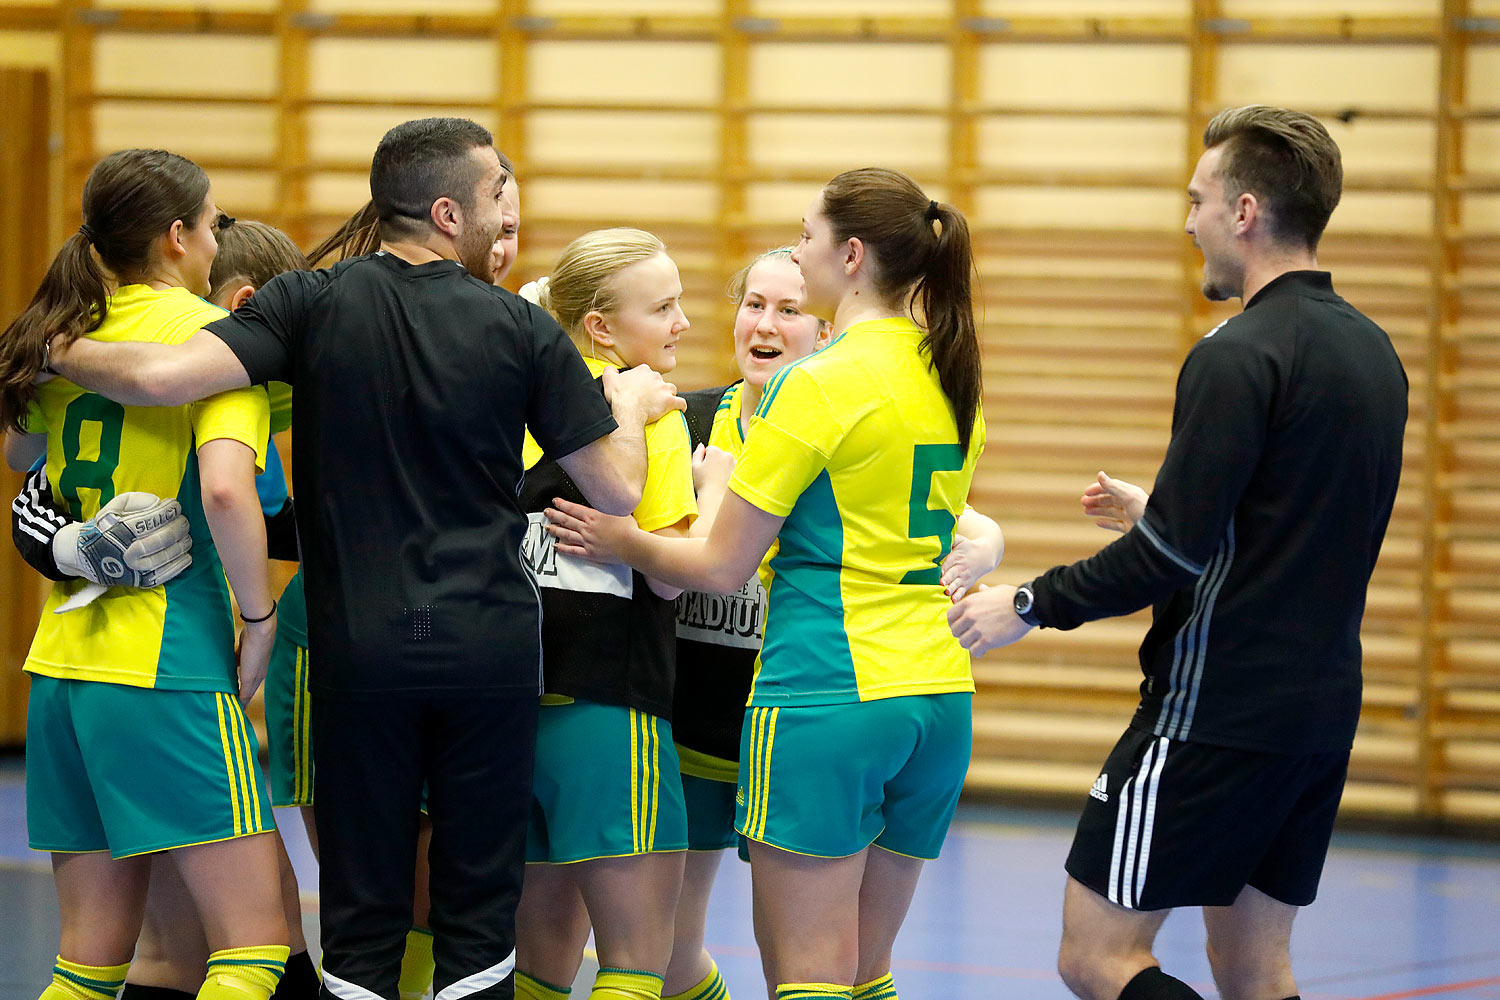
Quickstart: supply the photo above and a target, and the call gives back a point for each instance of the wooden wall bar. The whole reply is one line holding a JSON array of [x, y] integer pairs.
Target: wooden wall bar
[[1066, 129], [26, 96]]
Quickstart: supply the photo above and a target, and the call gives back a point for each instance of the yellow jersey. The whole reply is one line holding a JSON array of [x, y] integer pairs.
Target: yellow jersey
[[856, 446], [179, 636], [668, 496]]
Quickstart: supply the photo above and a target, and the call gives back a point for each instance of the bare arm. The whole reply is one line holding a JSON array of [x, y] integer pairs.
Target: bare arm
[[661, 588], [22, 450], [719, 564], [144, 374], [611, 471], [232, 509], [711, 470], [978, 547]]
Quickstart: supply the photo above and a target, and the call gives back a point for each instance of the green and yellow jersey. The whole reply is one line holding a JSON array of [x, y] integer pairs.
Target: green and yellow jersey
[[857, 448], [175, 637]]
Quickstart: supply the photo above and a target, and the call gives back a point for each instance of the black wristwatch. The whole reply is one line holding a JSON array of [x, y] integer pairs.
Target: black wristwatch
[[1025, 606]]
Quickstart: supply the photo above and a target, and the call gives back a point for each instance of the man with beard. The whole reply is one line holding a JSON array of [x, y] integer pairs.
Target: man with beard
[[1256, 547], [414, 379]]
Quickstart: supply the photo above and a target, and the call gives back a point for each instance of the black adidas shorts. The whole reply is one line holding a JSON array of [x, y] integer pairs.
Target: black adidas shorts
[[1172, 824]]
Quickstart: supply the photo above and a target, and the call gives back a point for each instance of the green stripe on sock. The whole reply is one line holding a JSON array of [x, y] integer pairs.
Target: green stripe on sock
[[108, 986], [259, 963]]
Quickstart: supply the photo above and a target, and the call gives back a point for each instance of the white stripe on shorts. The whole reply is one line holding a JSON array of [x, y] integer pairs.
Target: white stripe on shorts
[[1135, 817]]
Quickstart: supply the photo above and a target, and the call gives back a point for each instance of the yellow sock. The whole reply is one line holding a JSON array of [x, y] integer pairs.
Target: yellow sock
[[813, 991], [417, 965], [711, 988], [71, 981], [883, 988], [626, 984], [531, 988], [244, 973]]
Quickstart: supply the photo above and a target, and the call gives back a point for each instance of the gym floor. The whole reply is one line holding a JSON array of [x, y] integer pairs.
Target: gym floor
[[1398, 917]]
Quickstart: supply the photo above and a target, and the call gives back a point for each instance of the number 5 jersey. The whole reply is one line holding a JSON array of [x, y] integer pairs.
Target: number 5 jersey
[[856, 446]]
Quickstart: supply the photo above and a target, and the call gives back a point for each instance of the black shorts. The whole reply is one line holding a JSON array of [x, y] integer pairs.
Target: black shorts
[[1172, 824]]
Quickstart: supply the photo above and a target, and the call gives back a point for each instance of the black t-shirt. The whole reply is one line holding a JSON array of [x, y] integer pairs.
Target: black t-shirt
[[718, 638], [606, 637], [1262, 530], [414, 386]]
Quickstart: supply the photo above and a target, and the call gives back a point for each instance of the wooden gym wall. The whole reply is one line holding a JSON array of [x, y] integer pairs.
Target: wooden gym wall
[[25, 96], [1066, 129]]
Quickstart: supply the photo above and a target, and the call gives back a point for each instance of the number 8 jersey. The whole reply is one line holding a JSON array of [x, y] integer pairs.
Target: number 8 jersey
[[175, 637], [857, 448]]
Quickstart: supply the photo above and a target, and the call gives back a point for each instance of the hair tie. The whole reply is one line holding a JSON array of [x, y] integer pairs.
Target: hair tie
[[932, 210], [264, 617], [86, 233]]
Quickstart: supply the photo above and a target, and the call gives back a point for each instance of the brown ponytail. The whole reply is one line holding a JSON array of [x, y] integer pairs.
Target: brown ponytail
[[252, 253], [130, 199], [359, 235], [922, 254]]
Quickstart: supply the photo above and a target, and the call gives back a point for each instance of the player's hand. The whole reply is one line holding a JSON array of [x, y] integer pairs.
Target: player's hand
[[136, 540], [256, 643], [584, 532], [711, 468], [986, 619], [643, 388], [966, 564], [1114, 504]]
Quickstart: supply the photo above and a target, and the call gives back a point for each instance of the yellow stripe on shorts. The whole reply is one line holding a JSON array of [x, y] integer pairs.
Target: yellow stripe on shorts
[[249, 785], [767, 734], [253, 791], [751, 796], [234, 794], [757, 746], [655, 785], [635, 786], [236, 736], [301, 728], [645, 780]]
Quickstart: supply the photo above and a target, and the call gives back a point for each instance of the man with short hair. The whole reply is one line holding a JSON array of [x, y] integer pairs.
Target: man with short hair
[[1256, 547], [414, 380]]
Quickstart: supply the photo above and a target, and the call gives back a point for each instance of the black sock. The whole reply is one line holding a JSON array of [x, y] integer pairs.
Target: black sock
[[1154, 984], [135, 991], [299, 982]]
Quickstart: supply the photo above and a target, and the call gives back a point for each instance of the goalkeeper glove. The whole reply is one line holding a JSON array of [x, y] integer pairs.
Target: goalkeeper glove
[[136, 540]]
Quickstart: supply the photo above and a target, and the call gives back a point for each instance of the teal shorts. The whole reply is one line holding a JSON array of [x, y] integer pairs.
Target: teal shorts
[[606, 785], [289, 724], [134, 770], [710, 813], [830, 780]]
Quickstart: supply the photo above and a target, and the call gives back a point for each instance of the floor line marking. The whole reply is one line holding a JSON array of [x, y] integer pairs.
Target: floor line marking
[[1431, 991], [1343, 978]]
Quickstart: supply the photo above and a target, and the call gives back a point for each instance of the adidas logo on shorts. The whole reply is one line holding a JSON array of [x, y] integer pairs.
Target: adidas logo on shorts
[[1100, 790]]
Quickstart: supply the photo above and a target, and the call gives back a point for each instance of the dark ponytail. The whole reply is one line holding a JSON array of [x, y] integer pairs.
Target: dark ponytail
[[130, 199], [922, 255], [359, 235]]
